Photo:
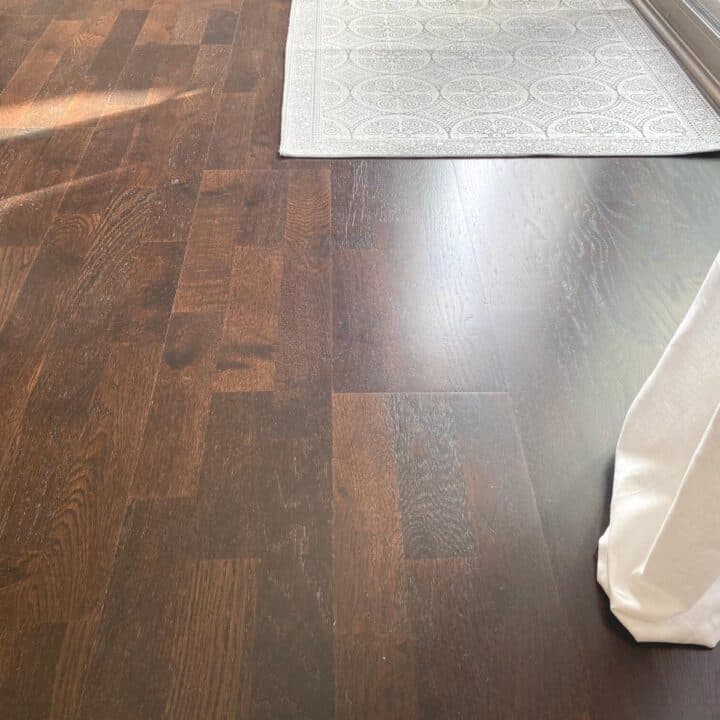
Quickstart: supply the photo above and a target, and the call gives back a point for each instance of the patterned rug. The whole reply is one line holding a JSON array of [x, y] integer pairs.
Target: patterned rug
[[425, 78]]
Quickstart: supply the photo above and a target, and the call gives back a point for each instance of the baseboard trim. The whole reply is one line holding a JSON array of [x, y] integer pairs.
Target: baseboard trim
[[707, 78]]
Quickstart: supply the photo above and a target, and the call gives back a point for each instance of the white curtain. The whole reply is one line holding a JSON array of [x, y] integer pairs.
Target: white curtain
[[659, 560]]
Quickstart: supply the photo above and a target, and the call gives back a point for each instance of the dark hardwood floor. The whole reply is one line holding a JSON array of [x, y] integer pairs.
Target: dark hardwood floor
[[311, 439]]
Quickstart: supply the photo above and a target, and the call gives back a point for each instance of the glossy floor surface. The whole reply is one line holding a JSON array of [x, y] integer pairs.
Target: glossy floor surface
[[296, 439]]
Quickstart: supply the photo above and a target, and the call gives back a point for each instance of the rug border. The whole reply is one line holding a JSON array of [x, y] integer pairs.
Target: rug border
[[291, 148]]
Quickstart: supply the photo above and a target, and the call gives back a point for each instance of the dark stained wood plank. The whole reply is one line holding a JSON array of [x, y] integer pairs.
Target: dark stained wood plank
[[246, 358], [265, 493], [24, 337], [410, 311], [198, 666], [115, 50], [484, 626], [220, 29], [245, 69], [233, 130], [65, 555], [254, 23], [587, 287], [213, 642], [265, 481], [132, 665], [74, 434], [265, 137], [305, 336], [158, 66], [430, 478], [247, 208], [261, 204], [29, 207], [236, 503], [373, 202], [15, 264], [175, 432], [61, 276], [16, 156], [205, 279], [72, 667], [374, 667], [26, 686], [18, 34], [172, 140], [142, 316], [301, 560], [108, 144]]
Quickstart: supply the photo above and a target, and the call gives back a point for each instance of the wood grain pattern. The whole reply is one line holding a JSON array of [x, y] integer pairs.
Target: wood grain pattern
[[310, 439], [421, 267], [503, 595], [246, 358], [219, 615], [430, 478], [585, 303], [173, 445], [132, 667], [374, 665], [26, 687], [15, 263]]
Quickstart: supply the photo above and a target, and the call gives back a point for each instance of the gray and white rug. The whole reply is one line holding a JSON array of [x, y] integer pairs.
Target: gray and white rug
[[426, 78]]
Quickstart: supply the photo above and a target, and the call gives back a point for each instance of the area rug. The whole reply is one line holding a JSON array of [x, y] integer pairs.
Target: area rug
[[433, 78]]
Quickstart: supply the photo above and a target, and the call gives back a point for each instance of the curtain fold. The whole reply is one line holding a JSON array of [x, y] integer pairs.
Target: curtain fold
[[659, 560]]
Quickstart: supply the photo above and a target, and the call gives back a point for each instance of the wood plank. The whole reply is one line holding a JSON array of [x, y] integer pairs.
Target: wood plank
[[587, 286], [18, 34], [68, 269], [265, 138], [245, 69], [374, 667], [26, 687], [233, 131], [72, 667], [266, 493], [115, 50], [61, 498], [246, 358], [190, 26], [172, 139], [303, 363], [198, 666], [205, 279], [430, 478], [297, 627], [35, 70], [265, 481], [220, 29], [409, 312], [141, 317], [132, 665], [485, 626], [66, 549], [15, 264], [29, 208], [213, 642], [175, 432], [160, 23]]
